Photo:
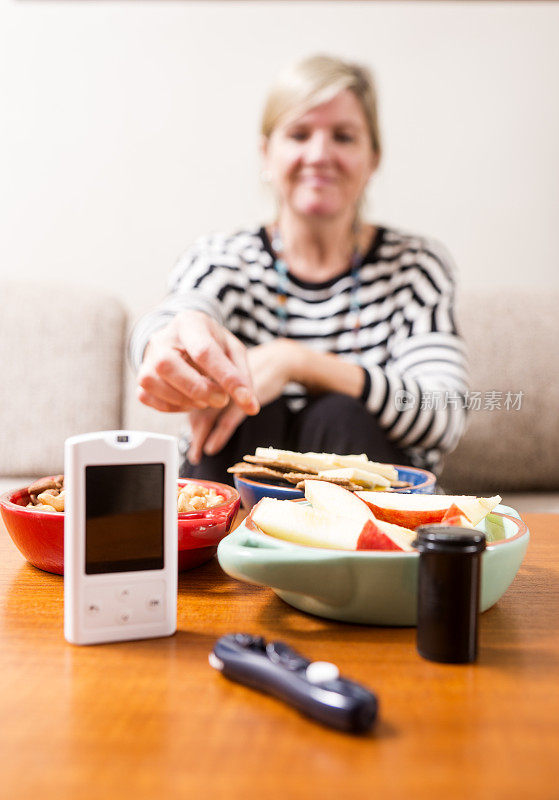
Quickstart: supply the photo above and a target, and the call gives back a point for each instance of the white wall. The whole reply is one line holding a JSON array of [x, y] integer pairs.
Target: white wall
[[129, 128]]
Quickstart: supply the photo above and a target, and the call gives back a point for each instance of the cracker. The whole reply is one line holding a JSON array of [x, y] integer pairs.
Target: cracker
[[345, 484], [255, 471], [297, 477], [280, 464]]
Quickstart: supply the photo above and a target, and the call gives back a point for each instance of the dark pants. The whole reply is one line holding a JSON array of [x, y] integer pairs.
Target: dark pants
[[330, 423]]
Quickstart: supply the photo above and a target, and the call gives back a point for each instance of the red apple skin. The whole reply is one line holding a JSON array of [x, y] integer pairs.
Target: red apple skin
[[372, 538], [454, 516], [407, 519]]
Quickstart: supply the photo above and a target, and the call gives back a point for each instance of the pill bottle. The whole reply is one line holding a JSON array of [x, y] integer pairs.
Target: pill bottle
[[448, 592]]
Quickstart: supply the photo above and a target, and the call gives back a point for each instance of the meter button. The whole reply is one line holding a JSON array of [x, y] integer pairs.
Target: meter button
[[93, 609], [125, 616], [154, 603]]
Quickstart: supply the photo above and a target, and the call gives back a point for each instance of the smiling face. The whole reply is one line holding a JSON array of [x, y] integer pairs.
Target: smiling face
[[319, 163]]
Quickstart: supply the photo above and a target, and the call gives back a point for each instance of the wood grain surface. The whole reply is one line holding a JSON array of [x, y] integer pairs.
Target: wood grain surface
[[151, 719]]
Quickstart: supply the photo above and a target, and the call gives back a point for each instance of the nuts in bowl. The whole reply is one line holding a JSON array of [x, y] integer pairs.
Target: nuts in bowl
[[34, 518], [201, 530], [195, 497], [47, 494]]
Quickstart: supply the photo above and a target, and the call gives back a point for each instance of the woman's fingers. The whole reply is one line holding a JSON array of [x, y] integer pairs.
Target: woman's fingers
[[157, 386], [186, 379], [160, 405], [196, 363], [201, 424], [239, 355], [168, 376], [225, 426], [209, 355]]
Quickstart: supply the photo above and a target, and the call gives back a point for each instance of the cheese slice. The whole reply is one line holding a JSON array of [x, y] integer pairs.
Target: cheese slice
[[313, 461], [324, 461], [362, 462], [360, 476]]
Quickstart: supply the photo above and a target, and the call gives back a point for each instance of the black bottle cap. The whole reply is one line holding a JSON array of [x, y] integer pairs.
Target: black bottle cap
[[448, 539]]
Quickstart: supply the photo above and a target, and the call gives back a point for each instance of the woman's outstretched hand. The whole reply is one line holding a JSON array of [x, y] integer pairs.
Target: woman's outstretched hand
[[271, 367], [195, 363]]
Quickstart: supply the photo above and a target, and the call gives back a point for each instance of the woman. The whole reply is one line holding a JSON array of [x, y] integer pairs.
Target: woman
[[318, 331]]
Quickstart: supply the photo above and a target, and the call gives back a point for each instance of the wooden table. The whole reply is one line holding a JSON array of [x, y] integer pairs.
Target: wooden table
[[151, 719]]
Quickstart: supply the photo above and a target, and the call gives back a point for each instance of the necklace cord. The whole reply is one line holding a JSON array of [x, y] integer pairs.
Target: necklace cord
[[282, 272]]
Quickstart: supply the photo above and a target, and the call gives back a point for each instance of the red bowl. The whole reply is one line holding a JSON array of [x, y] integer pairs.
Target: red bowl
[[39, 535], [200, 532]]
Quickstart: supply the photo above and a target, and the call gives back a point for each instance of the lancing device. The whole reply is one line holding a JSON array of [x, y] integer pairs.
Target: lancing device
[[315, 688]]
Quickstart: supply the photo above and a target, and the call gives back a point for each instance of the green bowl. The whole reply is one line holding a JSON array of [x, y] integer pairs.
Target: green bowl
[[370, 587]]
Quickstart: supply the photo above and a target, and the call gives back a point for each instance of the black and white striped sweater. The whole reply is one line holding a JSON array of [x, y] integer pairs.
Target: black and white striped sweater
[[406, 340]]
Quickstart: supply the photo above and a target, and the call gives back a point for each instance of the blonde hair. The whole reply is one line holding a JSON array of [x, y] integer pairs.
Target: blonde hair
[[316, 80]]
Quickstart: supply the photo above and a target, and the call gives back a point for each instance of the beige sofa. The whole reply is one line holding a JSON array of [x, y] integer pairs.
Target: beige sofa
[[64, 371]]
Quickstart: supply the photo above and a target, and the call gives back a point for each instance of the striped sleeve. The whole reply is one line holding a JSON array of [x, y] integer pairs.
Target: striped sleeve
[[200, 277], [418, 396]]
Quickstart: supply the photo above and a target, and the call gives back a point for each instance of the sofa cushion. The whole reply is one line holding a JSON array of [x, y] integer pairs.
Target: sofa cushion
[[513, 342], [61, 350]]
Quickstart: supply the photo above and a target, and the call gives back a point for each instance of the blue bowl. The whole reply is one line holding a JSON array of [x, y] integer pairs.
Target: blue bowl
[[251, 491]]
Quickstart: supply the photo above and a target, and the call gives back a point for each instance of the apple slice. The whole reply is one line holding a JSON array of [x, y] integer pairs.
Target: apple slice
[[295, 522], [304, 525], [477, 508], [453, 516], [495, 529], [334, 500], [385, 536], [413, 510]]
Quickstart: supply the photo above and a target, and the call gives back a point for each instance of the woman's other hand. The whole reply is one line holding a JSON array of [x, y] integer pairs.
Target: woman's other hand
[[271, 366], [195, 363]]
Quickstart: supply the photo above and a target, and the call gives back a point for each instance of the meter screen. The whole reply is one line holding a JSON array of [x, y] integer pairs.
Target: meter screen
[[124, 525]]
